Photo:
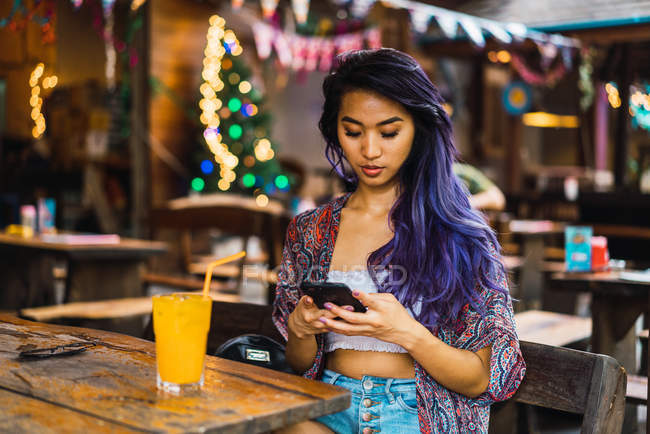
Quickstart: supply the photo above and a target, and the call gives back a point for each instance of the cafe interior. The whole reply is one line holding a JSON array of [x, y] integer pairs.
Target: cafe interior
[[156, 147]]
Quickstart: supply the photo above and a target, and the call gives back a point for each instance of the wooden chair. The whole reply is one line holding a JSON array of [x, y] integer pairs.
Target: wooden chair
[[234, 215], [572, 381]]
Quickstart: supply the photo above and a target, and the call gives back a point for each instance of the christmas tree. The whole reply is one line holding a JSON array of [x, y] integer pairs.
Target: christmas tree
[[236, 153]]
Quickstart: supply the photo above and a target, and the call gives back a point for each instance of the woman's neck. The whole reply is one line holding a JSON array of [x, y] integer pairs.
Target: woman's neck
[[374, 201]]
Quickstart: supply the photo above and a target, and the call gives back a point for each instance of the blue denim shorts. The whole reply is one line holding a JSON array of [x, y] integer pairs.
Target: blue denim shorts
[[387, 405]]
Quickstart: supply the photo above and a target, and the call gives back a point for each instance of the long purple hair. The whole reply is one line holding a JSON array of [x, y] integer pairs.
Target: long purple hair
[[442, 246]]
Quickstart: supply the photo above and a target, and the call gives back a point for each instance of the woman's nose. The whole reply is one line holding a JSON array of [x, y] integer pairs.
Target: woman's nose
[[370, 147]]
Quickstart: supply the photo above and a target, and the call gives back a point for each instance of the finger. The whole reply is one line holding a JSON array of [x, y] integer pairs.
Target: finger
[[365, 298], [307, 301], [351, 317], [344, 327]]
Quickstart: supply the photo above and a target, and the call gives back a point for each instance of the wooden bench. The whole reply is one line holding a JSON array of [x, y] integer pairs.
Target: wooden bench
[[557, 329], [592, 385]]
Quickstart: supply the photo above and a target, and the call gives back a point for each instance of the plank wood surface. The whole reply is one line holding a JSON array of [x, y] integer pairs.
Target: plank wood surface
[[113, 386], [551, 328], [126, 248], [102, 309]]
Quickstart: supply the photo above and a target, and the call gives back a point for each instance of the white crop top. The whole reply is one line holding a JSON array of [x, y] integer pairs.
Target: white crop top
[[359, 279]]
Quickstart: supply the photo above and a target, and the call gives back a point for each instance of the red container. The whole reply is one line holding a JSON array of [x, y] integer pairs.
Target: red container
[[599, 253]]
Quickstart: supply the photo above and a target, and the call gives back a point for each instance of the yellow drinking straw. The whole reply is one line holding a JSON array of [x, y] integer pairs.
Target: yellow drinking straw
[[211, 265]]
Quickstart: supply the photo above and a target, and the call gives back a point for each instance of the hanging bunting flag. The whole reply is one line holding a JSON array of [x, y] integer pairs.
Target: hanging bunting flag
[[135, 4], [263, 35], [420, 20], [77, 3], [299, 52], [448, 24], [326, 54], [308, 53], [300, 10], [236, 4], [548, 53], [268, 7], [473, 30], [360, 8], [498, 32], [517, 29], [373, 38], [313, 49]]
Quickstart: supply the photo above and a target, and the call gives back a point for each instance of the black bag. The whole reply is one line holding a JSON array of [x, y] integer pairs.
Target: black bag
[[255, 350]]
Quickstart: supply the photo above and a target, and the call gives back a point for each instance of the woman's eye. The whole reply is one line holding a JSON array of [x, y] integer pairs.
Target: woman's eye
[[351, 134], [389, 135]]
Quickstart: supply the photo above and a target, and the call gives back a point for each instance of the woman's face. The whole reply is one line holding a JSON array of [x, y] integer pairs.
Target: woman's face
[[376, 134]]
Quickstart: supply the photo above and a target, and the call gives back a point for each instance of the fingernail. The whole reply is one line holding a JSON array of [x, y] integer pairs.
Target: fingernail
[[323, 320], [350, 308], [356, 293], [328, 306]]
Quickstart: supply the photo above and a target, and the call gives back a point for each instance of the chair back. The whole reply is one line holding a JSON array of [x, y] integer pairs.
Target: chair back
[[577, 382]]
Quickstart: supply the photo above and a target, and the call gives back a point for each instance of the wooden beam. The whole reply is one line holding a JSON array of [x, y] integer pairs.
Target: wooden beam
[[611, 35], [140, 168], [622, 120]]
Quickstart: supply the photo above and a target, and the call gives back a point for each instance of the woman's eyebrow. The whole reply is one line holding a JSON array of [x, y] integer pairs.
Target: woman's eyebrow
[[384, 122]]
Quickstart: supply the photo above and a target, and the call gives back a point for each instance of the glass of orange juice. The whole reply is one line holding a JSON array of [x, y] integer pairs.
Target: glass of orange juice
[[181, 322]]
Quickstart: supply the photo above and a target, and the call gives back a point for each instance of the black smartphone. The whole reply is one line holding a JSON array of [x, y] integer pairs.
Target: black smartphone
[[339, 294]]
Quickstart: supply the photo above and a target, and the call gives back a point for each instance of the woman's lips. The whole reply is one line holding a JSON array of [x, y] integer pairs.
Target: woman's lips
[[372, 171]]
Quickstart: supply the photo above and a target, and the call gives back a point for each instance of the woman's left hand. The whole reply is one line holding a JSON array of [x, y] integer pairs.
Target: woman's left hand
[[386, 318]]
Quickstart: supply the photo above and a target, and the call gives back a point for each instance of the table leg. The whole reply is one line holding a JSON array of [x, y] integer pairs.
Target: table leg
[[531, 272], [103, 279], [26, 278], [614, 334]]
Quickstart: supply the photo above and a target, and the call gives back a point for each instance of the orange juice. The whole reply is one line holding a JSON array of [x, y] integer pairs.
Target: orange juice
[[181, 323]]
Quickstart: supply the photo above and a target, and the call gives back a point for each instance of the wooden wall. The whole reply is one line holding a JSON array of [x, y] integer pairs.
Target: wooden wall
[[20, 52], [178, 38]]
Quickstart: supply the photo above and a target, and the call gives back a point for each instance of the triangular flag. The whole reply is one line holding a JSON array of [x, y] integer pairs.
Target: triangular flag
[[263, 35], [517, 29], [360, 7], [300, 10], [448, 24], [420, 20], [497, 31], [236, 4], [472, 29], [269, 7]]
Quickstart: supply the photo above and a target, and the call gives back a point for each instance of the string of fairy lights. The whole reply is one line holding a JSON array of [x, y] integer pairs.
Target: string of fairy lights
[[36, 100], [639, 106], [210, 103], [219, 42]]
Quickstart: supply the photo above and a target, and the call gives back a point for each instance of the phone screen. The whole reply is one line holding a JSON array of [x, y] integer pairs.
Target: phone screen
[[337, 293]]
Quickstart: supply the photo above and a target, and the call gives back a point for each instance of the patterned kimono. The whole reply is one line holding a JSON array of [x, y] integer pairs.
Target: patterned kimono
[[307, 254]]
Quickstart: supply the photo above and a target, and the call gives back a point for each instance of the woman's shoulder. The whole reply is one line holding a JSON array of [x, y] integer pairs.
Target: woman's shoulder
[[322, 214]]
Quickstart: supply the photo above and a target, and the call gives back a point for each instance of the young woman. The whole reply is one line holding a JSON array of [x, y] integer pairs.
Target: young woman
[[437, 345]]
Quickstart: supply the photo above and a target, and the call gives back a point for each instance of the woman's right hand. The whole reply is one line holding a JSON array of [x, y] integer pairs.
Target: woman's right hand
[[305, 320]]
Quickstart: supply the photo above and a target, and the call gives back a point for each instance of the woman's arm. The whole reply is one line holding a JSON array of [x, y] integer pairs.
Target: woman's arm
[[462, 371]]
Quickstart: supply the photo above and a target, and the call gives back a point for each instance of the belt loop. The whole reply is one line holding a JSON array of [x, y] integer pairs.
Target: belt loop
[[334, 377], [390, 396]]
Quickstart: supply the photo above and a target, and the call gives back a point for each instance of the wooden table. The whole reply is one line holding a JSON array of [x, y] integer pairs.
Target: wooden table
[[533, 234], [615, 306], [112, 388], [94, 272]]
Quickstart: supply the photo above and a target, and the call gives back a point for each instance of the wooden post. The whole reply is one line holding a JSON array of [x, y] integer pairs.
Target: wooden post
[[622, 120], [477, 94], [600, 127], [513, 155], [140, 170]]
